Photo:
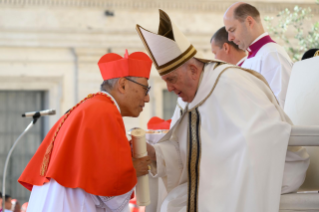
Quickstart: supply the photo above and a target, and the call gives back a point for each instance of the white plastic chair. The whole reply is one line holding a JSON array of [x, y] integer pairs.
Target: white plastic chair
[[302, 106]]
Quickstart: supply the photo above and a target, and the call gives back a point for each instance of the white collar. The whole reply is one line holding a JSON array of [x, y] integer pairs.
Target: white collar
[[260, 37], [241, 60], [210, 76], [112, 99]]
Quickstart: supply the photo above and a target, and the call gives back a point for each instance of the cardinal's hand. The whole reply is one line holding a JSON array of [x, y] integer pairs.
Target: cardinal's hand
[[141, 165]]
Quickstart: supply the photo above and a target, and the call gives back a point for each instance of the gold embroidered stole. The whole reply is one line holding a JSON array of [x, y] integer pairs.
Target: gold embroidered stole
[[194, 154]]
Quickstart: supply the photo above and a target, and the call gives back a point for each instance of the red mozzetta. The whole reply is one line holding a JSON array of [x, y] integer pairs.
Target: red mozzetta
[[90, 151]]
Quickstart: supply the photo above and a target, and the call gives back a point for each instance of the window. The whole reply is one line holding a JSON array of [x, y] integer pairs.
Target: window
[[169, 104], [12, 105]]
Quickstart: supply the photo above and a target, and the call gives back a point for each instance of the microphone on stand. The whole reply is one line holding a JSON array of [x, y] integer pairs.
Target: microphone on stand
[[48, 112], [35, 115]]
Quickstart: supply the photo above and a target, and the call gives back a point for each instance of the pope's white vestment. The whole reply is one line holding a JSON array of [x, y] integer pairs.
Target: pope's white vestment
[[273, 62], [226, 150]]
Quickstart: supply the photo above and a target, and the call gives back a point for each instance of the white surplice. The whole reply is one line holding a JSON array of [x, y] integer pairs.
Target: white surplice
[[273, 62], [52, 197], [226, 152]]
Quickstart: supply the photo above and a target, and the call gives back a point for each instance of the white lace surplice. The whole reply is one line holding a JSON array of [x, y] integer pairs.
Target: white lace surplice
[[113, 204]]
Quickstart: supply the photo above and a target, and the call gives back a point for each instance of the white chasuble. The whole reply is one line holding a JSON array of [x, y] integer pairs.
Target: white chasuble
[[226, 152]]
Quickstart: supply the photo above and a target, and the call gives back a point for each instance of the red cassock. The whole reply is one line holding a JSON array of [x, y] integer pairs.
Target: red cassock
[[90, 151]]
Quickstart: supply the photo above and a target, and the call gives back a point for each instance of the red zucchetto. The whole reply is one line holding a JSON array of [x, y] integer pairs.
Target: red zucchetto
[[156, 123]]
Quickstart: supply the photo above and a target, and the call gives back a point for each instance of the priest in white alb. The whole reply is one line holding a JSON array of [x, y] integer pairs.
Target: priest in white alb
[[243, 24], [226, 149]]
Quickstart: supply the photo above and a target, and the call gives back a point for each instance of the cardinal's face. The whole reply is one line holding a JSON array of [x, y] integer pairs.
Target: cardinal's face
[[138, 96]]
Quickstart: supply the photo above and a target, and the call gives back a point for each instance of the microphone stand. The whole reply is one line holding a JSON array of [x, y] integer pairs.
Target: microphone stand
[[35, 119]]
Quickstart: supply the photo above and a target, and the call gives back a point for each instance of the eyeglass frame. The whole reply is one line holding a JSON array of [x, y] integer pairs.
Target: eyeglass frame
[[148, 88]]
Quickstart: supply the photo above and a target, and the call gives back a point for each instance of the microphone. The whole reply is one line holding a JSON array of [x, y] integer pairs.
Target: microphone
[[48, 112]]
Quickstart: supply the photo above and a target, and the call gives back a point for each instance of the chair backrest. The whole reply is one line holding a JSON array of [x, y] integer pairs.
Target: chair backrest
[[302, 105]]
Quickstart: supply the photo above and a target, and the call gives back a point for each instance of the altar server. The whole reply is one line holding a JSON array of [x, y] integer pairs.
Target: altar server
[[243, 24]]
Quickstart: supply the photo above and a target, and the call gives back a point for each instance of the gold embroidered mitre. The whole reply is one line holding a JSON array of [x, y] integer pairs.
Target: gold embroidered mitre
[[169, 48]]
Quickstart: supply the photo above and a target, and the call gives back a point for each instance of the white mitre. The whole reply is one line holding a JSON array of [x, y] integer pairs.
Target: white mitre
[[169, 48]]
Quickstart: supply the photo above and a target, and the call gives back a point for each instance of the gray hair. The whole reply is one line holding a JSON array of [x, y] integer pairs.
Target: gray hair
[[108, 85]]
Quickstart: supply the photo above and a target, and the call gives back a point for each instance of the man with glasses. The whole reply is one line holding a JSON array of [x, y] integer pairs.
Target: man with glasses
[[146, 88], [85, 162]]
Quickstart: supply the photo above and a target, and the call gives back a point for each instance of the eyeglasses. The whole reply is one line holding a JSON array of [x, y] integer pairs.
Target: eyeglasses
[[147, 89]]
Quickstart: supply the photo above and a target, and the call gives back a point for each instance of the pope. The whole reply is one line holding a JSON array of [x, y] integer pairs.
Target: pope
[[85, 162], [226, 148]]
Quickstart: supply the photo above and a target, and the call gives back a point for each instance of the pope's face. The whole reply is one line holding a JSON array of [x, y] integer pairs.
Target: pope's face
[[182, 83], [220, 53], [238, 32], [136, 98]]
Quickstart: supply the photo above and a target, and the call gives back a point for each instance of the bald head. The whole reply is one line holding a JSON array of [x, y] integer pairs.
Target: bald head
[[229, 14], [243, 24], [240, 11]]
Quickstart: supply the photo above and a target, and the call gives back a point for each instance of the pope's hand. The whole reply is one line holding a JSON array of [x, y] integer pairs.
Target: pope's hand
[[141, 165]]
